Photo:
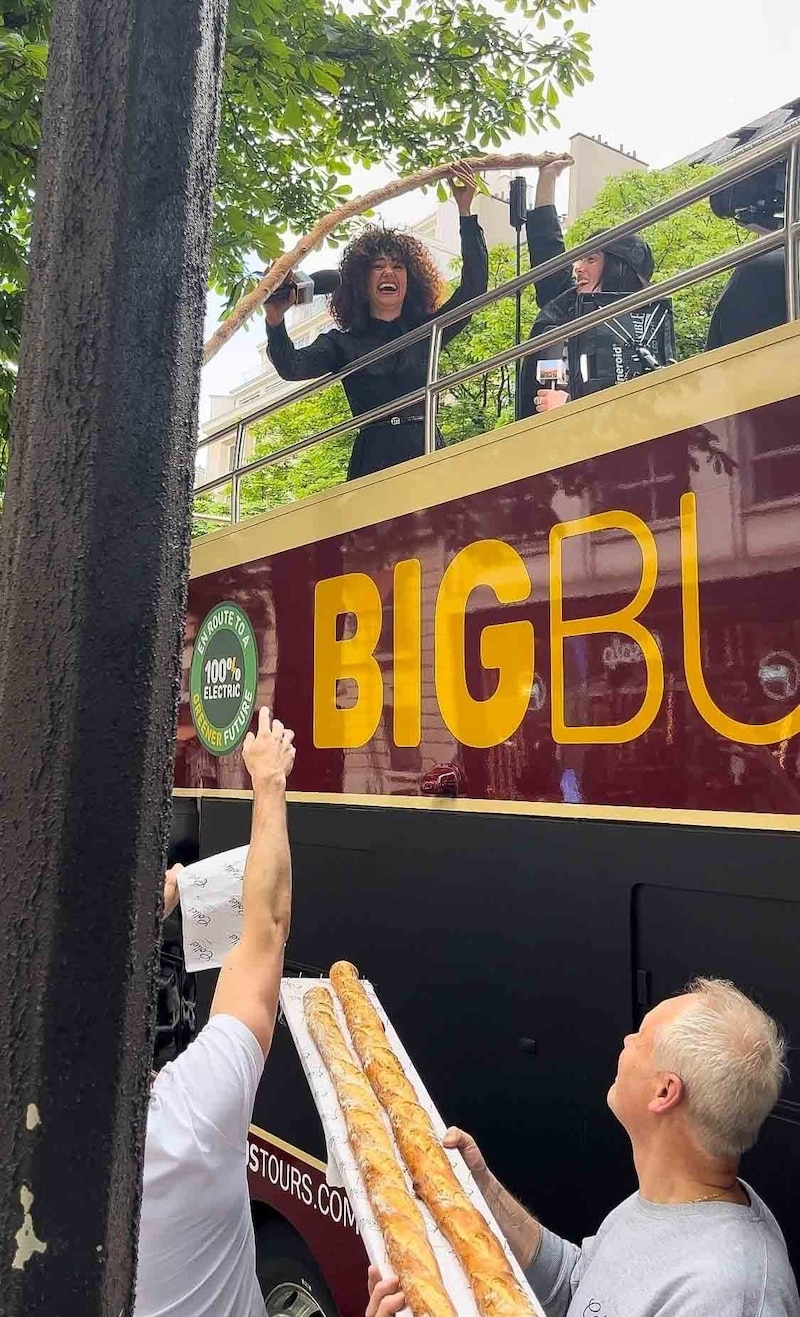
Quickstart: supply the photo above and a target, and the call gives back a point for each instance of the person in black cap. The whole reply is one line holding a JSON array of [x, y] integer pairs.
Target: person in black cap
[[389, 285], [622, 266]]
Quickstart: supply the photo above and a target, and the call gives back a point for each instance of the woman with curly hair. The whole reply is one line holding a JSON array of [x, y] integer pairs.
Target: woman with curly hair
[[389, 285]]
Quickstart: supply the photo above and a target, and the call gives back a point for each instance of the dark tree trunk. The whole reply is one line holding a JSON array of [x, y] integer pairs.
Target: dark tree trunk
[[94, 556]]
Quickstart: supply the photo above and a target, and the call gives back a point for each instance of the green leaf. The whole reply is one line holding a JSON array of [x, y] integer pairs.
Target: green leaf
[[274, 46], [325, 80], [313, 88]]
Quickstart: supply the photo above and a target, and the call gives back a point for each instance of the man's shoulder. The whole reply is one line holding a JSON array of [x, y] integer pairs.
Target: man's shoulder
[[714, 1256], [224, 1044], [743, 1264], [222, 1032], [621, 1213]]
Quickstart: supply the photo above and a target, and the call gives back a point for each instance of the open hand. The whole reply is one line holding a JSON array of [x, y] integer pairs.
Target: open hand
[[556, 165], [269, 755], [456, 1138], [464, 185], [547, 178], [385, 1296]]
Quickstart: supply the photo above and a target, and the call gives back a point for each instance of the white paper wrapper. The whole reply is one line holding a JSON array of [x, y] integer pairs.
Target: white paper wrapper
[[342, 1165], [211, 908]]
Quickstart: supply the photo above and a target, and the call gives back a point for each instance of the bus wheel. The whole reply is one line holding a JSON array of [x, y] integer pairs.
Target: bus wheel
[[289, 1278]]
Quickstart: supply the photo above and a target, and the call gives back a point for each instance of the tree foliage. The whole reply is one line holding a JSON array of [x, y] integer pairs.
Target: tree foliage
[[310, 89], [304, 473]]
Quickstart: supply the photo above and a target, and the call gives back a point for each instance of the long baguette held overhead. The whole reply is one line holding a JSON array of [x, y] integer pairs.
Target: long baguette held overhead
[[275, 275], [492, 1280], [397, 1214]]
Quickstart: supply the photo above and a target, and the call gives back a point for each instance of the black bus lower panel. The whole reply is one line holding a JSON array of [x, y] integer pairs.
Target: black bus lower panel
[[513, 954]]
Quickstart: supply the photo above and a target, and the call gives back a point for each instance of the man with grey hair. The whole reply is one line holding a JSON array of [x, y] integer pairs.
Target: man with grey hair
[[692, 1090]]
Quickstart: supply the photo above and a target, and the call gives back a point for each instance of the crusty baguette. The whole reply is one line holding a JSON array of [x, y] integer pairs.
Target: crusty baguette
[[397, 1214], [494, 1285]]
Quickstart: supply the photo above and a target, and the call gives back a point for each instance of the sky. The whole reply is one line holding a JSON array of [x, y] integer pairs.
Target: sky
[[669, 77]]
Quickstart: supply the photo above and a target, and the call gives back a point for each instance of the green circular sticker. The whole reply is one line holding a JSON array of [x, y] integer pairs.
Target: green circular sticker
[[223, 681]]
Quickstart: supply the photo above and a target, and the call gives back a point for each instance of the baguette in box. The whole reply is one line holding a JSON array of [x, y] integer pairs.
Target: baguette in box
[[397, 1214], [492, 1280]]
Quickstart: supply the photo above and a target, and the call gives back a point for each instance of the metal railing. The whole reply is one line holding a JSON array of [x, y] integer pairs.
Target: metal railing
[[786, 144]]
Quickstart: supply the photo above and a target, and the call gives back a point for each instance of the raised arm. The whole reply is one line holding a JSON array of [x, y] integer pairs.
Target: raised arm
[[543, 230], [290, 362], [474, 256], [249, 980], [548, 1261]]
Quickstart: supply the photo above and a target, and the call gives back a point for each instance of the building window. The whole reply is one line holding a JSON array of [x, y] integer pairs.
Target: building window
[[647, 480], [774, 456]]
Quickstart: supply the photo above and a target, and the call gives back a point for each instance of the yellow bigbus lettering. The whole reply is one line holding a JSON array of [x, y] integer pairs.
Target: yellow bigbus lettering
[[748, 733], [507, 646], [407, 652], [623, 621], [337, 660]]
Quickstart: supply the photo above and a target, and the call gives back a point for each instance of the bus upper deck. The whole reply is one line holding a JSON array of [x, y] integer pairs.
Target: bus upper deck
[[229, 460]]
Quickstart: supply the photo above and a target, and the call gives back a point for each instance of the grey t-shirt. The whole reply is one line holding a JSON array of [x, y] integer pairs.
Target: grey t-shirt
[[653, 1260]]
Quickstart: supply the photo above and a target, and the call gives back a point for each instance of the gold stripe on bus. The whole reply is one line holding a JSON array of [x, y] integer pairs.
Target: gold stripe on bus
[[223, 793], [725, 382], [289, 1147], [705, 818]]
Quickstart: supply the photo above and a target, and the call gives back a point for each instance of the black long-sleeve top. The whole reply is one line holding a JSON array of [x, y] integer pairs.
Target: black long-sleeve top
[[556, 295], [397, 374], [754, 299], [546, 240]]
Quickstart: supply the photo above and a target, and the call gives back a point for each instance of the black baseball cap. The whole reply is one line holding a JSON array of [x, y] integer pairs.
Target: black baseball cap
[[634, 251]]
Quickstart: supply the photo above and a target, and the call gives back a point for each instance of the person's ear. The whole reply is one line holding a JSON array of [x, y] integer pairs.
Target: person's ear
[[668, 1094]]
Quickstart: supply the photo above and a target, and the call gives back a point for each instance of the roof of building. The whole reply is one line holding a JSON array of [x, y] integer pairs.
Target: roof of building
[[751, 134]]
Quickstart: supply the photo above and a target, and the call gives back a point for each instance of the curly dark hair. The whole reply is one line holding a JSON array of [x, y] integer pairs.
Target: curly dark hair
[[425, 290]]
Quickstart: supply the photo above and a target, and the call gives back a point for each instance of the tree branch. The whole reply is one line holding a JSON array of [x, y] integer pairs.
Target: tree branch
[[277, 272]]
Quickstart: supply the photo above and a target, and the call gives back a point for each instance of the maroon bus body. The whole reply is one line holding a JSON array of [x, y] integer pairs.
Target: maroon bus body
[[750, 629], [295, 1187]]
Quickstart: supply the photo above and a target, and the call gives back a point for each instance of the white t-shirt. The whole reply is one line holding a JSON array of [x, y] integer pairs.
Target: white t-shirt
[[197, 1255]]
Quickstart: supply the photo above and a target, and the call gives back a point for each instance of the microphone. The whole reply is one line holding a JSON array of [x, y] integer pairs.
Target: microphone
[[325, 281], [518, 202], [551, 374], [307, 286]]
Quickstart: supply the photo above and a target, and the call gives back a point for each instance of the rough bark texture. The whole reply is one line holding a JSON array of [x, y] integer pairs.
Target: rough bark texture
[[94, 558], [277, 272]]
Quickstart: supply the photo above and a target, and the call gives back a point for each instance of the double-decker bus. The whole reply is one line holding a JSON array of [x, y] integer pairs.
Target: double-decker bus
[[546, 690]]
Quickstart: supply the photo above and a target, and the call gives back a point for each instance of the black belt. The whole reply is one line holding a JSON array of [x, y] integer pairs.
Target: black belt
[[399, 420]]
